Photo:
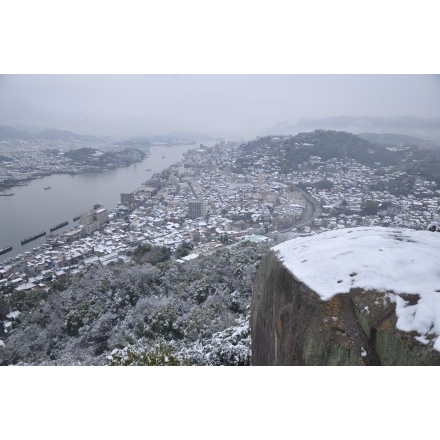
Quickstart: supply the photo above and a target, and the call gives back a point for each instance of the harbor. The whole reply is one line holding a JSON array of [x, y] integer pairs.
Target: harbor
[[33, 209]]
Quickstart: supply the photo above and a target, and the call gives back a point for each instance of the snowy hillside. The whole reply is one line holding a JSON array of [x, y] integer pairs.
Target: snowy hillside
[[396, 261], [138, 313]]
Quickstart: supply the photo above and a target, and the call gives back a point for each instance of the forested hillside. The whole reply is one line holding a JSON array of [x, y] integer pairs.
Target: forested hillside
[[192, 313], [290, 152]]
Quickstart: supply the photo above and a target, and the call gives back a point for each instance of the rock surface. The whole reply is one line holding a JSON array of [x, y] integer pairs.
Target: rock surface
[[293, 325]]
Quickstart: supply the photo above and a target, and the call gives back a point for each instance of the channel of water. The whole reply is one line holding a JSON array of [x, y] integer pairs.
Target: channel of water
[[32, 209]]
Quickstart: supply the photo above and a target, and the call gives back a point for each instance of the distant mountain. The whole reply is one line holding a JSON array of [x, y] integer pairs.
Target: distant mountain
[[29, 133], [392, 139], [51, 134], [181, 137], [428, 129], [29, 128], [191, 135], [7, 132], [10, 133], [134, 142]]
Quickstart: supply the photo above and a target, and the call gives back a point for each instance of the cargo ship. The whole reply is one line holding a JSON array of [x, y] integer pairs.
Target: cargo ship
[[34, 237], [5, 250], [58, 226]]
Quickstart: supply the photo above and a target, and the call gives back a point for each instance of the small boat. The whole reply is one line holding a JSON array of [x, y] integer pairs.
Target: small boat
[[58, 226], [6, 194], [47, 187]]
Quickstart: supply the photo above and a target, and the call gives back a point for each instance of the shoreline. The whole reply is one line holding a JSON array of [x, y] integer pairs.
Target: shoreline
[[20, 256]]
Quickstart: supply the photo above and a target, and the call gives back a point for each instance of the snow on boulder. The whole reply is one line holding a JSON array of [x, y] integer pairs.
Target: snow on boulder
[[366, 282], [381, 259]]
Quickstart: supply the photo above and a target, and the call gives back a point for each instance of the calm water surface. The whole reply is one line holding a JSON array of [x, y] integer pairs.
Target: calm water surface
[[32, 209]]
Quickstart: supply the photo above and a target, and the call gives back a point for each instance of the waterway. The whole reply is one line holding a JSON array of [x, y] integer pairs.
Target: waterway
[[32, 209]]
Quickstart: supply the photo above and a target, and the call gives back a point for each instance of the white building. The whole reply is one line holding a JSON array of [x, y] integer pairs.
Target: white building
[[94, 219]]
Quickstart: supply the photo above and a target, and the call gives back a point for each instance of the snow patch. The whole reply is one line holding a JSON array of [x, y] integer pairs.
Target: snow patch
[[396, 261], [13, 315]]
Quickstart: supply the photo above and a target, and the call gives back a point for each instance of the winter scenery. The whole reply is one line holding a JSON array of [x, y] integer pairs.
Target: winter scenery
[[208, 210], [131, 242]]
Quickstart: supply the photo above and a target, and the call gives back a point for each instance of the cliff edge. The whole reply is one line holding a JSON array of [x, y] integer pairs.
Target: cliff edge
[[358, 296]]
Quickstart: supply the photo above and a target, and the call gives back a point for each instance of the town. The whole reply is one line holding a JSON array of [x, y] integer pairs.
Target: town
[[208, 201], [24, 160]]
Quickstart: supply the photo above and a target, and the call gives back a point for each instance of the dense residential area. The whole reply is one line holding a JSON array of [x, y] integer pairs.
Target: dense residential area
[[22, 160], [210, 218]]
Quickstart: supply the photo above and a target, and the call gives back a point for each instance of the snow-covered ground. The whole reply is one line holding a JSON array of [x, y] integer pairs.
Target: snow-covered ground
[[389, 260]]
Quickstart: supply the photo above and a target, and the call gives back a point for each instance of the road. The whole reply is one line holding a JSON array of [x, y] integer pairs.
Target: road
[[311, 211]]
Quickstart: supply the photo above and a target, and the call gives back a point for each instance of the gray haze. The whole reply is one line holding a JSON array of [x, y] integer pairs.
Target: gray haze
[[219, 105]]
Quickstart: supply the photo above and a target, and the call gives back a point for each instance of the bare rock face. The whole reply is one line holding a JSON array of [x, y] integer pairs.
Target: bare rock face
[[292, 324]]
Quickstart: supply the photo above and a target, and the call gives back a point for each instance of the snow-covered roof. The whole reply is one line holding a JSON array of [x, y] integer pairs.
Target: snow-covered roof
[[389, 260], [188, 258], [25, 286]]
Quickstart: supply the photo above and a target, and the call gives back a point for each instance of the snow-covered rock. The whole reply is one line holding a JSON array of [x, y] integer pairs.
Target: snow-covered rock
[[359, 282]]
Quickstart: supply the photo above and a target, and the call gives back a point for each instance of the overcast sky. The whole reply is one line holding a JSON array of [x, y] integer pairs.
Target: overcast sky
[[218, 105]]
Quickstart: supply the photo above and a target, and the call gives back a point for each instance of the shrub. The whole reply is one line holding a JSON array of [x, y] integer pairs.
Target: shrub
[[159, 355]]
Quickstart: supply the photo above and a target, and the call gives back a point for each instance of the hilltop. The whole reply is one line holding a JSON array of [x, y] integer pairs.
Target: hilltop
[[396, 153], [292, 151], [7, 132], [93, 157]]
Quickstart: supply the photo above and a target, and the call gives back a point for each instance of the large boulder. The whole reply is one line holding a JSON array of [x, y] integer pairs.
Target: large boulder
[[359, 296]]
